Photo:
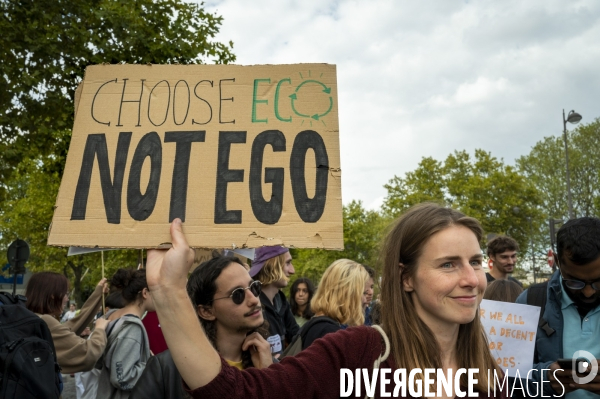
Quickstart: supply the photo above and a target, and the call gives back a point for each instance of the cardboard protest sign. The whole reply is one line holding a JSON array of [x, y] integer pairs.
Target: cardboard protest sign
[[511, 330], [245, 155]]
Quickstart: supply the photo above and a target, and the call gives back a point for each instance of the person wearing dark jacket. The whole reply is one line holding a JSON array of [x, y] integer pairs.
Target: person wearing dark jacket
[[338, 300], [272, 266], [570, 322], [227, 304], [160, 379]]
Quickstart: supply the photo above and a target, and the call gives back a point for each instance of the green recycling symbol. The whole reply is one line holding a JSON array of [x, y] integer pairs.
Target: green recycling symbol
[[326, 90]]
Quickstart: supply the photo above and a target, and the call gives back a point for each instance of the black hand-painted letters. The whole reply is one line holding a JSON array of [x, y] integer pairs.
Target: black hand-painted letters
[[267, 212], [140, 206], [226, 175], [179, 184], [162, 97], [310, 210], [111, 191]]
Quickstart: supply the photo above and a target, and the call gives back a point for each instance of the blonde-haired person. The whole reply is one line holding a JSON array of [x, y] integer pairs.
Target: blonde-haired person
[[432, 284], [272, 266], [338, 300]]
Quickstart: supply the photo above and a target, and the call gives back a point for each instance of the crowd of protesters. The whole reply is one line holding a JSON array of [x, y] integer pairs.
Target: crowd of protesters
[[226, 327], [431, 253]]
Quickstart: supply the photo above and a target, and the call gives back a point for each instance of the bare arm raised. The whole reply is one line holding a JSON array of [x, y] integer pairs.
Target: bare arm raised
[[166, 274]]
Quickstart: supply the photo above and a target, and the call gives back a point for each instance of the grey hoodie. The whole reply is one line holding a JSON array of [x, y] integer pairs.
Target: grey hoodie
[[124, 359]]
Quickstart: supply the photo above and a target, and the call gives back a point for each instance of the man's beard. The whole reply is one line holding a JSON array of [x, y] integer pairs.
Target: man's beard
[[587, 307], [508, 271], [583, 307]]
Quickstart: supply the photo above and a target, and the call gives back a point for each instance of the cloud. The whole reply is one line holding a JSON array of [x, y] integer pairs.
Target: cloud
[[425, 78]]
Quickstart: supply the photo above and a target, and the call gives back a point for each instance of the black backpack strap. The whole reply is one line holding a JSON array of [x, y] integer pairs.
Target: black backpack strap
[[537, 295], [10, 299]]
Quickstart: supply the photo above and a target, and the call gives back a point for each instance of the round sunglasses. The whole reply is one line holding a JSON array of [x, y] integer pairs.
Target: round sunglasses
[[239, 294]]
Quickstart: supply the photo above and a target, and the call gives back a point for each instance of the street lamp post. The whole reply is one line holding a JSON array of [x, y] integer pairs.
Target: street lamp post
[[532, 249], [574, 118]]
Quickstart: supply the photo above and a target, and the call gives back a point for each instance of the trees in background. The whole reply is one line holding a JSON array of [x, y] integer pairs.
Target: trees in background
[[363, 230], [545, 167], [482, 186], [45, 47]]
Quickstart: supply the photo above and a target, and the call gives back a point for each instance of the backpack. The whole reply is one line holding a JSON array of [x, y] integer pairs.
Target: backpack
[[28, 364], [536, 296], [296, 345]]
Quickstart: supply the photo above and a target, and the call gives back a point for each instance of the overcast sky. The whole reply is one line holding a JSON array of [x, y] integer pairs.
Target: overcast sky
[[425, 78]]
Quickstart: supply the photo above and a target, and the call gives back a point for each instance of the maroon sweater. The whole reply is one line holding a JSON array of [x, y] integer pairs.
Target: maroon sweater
[[313, 373]]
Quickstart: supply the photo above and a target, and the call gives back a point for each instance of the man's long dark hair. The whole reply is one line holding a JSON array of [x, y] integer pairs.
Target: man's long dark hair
[[201, 288]]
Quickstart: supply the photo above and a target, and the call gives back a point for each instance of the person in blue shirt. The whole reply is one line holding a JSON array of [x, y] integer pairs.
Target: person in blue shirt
[[571, 316]]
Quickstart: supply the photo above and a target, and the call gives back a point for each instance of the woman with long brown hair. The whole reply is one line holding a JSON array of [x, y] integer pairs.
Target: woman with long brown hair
[[301, 295], [432, 284]]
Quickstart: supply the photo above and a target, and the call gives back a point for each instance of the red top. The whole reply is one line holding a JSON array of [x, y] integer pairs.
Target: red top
[[313, 373], [155, 334]]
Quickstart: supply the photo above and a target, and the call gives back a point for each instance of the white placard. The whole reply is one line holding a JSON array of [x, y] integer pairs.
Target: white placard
[[511, 330]]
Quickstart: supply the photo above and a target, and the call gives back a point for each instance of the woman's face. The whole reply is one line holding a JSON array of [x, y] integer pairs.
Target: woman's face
[[449, 281], [65, 301], [301, 294]]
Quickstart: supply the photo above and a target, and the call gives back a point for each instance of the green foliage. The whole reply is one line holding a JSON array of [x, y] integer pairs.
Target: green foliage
[[363, 231], [545, 166], [45, 47], [520, 273], [28, 202], [424, 184], [482, 187], [26, 214]]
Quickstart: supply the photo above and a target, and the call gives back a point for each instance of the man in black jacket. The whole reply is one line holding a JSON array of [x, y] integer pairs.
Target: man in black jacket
[[227, 304], [272, 266]]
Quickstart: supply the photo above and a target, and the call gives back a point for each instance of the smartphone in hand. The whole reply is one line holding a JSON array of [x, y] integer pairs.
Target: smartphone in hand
[[567, 364]]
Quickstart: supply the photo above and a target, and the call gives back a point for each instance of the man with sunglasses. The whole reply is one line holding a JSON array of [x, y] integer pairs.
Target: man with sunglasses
[[227, 303], [571, 314]]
